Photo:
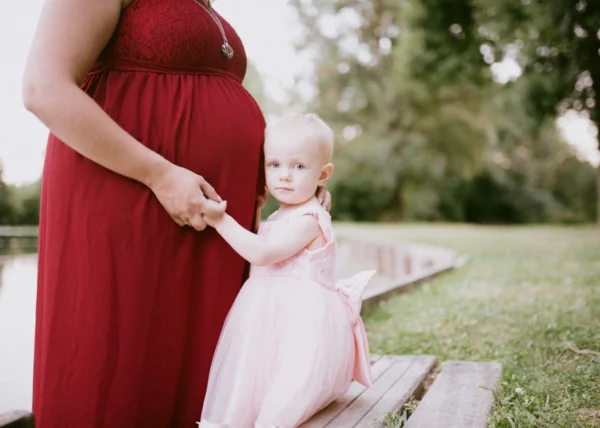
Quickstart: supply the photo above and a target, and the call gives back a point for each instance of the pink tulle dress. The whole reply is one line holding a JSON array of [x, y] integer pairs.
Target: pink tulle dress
[[292, 342]]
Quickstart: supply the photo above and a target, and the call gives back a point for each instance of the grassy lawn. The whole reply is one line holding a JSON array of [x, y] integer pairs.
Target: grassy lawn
[[529, 297]]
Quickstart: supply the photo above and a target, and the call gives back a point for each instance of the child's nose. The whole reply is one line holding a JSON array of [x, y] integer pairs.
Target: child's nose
[[285, 175]]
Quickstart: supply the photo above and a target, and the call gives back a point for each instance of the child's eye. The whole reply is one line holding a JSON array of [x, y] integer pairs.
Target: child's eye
[[300, 166], [274, 165]]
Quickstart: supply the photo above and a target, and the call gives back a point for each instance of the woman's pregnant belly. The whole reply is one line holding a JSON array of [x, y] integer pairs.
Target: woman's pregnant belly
[[208, 124]]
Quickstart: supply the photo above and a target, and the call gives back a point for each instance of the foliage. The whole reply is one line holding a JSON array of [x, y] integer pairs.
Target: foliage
[[19, 205], [557, 44], [253, 84], [425, 131]]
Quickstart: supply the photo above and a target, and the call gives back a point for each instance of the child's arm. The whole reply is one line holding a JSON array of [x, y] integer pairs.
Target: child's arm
[[259, 250]]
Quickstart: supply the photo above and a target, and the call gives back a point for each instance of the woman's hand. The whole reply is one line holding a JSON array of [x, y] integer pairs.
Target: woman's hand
[[214, 213], [324, 197], [183, 194], [261, 199]]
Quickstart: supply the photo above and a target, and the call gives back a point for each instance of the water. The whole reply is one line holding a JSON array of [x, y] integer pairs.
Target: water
[[18, 274]]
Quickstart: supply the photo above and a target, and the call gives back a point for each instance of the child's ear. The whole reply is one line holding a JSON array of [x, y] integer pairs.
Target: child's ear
[[326, 173]]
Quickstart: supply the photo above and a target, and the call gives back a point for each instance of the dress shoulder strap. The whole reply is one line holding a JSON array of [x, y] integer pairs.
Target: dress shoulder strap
[[322, 217]]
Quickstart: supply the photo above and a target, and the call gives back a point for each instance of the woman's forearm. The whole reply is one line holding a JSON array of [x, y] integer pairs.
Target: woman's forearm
[[76, 119]]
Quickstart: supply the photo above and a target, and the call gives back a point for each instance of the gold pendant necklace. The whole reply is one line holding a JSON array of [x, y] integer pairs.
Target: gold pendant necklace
[[226, 48]]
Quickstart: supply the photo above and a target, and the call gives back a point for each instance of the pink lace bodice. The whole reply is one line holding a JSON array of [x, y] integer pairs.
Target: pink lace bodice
[[172, 35], [317, 265]]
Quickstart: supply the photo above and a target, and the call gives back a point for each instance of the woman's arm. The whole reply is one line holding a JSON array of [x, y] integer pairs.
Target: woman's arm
[[261, 201], [259, 250], [70, 36]]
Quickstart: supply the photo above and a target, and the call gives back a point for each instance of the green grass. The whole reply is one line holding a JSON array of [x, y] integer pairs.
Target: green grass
[[529, 298]]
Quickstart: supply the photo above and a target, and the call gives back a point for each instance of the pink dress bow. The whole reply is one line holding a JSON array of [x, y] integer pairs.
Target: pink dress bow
[[351, 289]]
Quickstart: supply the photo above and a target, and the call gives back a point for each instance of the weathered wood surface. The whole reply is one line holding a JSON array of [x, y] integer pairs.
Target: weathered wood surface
[[395, 379], [460, 397], [18, 231], [400, 266]]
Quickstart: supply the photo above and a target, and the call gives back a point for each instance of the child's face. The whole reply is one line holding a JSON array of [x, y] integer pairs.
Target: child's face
[[295, 167]]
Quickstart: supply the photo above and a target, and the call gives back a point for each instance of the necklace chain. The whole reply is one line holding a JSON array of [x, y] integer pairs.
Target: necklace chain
[[226, 48]]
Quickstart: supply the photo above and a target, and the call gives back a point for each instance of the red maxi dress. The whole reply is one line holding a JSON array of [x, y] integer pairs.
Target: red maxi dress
[[130, 305]]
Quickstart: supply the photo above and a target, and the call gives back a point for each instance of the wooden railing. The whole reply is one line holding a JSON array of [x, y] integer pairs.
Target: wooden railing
[[18, 231], [400, 266]]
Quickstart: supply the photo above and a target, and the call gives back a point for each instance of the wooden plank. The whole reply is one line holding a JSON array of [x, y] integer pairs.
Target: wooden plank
[[460, 397], [375, 293], [329, 413], [409, 384], [19, 231], [369, 398], [392, 260]]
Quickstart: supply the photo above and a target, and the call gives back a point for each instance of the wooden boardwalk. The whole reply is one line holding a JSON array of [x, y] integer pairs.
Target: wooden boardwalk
[[395, 378], [400, 266], [18, 231], [460, 397]]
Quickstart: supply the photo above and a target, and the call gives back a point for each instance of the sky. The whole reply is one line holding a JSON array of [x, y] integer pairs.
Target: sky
[[267, 28]]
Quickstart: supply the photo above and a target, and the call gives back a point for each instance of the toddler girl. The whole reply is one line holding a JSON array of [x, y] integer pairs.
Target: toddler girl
[[293, 340]]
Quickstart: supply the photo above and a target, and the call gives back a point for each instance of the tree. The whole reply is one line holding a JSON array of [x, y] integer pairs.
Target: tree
[[408, 127], [425, 128], [27, 201], [7, 207], [559, 49], [253, 84]]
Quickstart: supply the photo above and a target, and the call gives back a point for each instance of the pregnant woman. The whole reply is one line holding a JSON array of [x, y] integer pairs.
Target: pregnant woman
[[148, 118]]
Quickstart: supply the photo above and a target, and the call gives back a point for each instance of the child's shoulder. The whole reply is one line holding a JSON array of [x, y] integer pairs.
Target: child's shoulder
[[315, 210]]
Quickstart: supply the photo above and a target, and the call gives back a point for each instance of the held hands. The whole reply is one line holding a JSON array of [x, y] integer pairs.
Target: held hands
[[190, 200], [214, 213], [185, 196]]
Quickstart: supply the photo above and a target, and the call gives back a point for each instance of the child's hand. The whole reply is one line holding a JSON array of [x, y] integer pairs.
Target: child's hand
[[214, 212], [324, 197], [261, 199]]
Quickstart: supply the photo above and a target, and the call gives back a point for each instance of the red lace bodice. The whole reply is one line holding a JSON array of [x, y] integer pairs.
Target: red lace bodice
[[172, 35]]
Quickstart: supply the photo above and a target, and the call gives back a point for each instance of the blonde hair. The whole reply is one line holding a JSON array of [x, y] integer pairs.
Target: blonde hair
[[311, 124]]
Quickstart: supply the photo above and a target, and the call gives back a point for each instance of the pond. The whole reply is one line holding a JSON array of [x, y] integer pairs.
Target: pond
[[18, 272]]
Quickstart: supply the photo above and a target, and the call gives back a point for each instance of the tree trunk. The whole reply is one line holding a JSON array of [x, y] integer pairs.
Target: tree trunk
[[396, 209]]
